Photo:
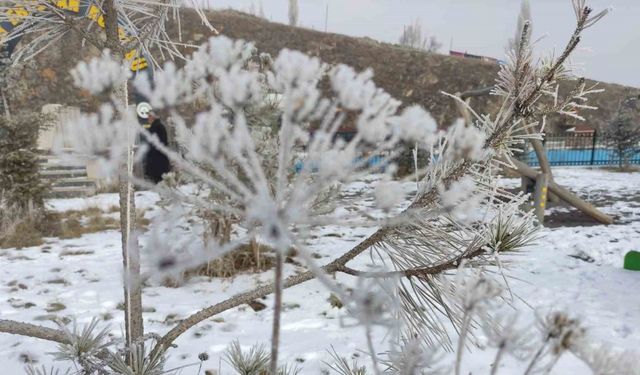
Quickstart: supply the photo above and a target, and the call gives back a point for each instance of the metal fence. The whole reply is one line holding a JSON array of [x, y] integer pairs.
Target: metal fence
[[578, 149]]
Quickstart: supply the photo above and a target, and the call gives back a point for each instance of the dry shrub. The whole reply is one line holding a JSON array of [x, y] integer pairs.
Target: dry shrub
[[19, 226], [249, 257], [20, 180], [623, 169], [252, 257], [73, 224], [406, 161], [25, 230], [22, 233]]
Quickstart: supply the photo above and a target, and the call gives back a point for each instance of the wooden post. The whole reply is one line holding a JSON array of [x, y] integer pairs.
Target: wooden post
[[545, 167], [540, 198], [565, 194], [526, 183], [594, 140]]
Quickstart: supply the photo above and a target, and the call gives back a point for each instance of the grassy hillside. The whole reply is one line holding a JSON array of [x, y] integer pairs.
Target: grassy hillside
[[412, 76]]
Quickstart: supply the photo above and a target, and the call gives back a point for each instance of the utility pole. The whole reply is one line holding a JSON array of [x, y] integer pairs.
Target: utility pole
[[326, 18]]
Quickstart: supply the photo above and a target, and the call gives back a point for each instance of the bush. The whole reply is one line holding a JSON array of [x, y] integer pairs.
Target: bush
[[406, 161], [623, 134], [18, 226], [21, 189], [19, 173]]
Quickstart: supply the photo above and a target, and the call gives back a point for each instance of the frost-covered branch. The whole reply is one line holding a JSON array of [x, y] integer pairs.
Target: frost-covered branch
[[266, 177], [221, 139], [31, 330]]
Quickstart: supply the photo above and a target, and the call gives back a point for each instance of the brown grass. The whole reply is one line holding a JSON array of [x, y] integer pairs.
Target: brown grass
[[55, 307], [76, 252], [243, 259], [246, 258], [20, 304], [19, 227], [25, 233], [623, 169], [73, 224], [64, 225], [54, 318]]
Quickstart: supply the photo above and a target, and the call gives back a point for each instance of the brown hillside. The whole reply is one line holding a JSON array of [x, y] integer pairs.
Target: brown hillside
[[409, 75]]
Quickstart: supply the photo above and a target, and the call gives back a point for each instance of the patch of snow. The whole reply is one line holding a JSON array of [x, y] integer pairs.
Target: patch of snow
[[545, 275]]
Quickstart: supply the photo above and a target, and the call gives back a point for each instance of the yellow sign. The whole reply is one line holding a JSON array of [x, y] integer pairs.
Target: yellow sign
[[95, 14], [72, 5], [17, 15]]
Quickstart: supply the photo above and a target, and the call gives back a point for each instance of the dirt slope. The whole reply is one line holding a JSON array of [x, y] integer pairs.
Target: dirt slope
[[409, 75]]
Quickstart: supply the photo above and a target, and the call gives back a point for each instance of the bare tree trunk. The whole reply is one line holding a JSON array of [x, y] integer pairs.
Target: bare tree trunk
[[130, 251], [277, 310], [130, 259], [293, 12]]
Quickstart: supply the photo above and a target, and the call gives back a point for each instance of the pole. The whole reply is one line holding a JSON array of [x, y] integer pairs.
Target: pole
[[593, 146], [326, 18], [130, 251], [565, 194], [540, 199]]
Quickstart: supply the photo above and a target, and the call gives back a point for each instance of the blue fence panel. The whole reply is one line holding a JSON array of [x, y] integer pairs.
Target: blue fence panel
[[578, 150]]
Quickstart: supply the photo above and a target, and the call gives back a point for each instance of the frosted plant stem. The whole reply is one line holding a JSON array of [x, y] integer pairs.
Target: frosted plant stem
[[535, 358], [374, 358], [496, 361], [552, 364], [415, 166], [463, 336], [277, 310]]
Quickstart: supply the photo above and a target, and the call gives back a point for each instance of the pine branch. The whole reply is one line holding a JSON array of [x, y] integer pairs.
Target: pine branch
[[32, 330], [73, 25], [427, 199]]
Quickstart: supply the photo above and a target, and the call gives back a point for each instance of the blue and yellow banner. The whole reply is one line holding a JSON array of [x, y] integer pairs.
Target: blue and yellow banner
[[17, 15]]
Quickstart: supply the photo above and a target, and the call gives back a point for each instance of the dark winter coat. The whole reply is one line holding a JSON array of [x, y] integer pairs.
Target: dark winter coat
[[155, 163]]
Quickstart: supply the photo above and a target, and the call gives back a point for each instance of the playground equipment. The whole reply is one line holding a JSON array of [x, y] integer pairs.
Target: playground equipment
[[632, 261], [545, 187]]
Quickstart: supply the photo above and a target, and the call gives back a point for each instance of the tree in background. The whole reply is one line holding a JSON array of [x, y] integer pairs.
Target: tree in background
[[456, 219], [129, 30], [414, 37], [257, 11], [261, 13], [21, 188], [623, 134], [19, 175], [22, 191], [293, 12]]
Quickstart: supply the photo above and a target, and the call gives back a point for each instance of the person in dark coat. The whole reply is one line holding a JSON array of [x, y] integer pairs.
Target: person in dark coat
[[155, 163]]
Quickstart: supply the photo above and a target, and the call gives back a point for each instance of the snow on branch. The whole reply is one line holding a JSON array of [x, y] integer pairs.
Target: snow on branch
[[269, 178]]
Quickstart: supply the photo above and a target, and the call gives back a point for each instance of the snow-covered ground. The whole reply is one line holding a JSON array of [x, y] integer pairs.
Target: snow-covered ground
[[82, 277]]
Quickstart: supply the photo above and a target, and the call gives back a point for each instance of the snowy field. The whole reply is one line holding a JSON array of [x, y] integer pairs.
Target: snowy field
[[574, 268]]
